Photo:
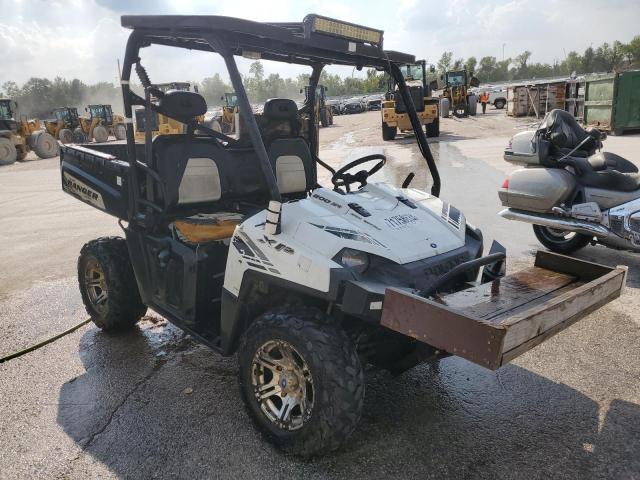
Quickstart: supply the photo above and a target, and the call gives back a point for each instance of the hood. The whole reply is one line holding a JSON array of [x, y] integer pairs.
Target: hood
[[403, 225]]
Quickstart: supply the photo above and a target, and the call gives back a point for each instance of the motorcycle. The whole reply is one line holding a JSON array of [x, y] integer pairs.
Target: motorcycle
[[572, 193]]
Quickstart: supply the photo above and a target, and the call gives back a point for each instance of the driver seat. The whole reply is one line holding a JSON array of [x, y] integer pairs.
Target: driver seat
[[290, 156]]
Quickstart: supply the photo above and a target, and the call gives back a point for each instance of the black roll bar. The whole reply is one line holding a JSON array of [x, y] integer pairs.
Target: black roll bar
[[417, 128]]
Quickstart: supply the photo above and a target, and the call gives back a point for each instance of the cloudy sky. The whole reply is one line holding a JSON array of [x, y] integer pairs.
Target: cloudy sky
[[83, 38]]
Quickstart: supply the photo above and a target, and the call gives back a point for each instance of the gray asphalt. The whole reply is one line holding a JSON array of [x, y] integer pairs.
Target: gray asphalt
[[154, 404]]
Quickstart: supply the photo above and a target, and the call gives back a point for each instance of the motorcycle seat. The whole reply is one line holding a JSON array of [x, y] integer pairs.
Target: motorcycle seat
[[603, 160], [607, 171]]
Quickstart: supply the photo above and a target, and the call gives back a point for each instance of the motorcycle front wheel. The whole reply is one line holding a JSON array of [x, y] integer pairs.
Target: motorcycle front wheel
[[561, 241]]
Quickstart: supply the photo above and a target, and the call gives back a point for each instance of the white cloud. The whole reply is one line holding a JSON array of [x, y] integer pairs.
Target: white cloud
[[83, 39]]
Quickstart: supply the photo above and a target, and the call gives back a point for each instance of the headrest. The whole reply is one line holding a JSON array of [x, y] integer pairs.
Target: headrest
[[182, 105], [280, 109]]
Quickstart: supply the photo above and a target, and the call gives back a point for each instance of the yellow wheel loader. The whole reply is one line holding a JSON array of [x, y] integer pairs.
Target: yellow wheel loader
[[19, 137], [456, 97], [100, 125], [324, 113], [65, 120], [225, 120], [394, 111], [160, 124]]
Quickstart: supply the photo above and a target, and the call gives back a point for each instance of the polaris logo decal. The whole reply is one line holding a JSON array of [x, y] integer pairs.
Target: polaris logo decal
[[401, 221], [86, 193]]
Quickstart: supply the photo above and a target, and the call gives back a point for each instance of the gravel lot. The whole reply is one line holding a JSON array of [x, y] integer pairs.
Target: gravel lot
[[154, 404]]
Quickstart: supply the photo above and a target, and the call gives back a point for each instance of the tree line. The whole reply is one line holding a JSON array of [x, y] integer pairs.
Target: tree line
[[38, 96], [605, 58]]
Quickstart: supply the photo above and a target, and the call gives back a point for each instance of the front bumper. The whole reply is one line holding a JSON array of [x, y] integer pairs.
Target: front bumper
[[493, 323]]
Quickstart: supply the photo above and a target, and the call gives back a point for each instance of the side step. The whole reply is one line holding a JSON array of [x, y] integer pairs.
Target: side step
[[495, 322]]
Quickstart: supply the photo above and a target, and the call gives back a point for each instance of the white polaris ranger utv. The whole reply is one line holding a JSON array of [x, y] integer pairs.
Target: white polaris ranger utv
[[234, 241]]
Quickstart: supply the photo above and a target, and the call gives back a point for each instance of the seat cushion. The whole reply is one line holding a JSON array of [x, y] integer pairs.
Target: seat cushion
[[203, 228], [200, 182], [293, 164], [610, 180], [604, 160]]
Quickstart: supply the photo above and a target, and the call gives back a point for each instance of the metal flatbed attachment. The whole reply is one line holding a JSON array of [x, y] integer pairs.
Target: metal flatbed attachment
[[495, 322]]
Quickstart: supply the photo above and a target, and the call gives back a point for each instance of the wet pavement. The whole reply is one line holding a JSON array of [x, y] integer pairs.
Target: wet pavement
[[153, 404]]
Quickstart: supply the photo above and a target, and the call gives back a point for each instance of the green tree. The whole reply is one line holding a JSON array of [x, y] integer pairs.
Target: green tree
[[444, 64]]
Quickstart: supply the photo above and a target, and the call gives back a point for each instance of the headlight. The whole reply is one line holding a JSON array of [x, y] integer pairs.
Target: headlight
[[354, 259]]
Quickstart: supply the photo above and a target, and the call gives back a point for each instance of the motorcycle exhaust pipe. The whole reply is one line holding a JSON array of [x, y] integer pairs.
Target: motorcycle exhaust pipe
[[551, 221]]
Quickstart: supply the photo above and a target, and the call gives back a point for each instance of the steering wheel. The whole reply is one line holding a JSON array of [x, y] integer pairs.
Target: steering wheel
[[343, 179]]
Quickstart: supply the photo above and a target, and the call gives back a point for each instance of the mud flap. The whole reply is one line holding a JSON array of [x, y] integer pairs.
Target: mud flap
[[493, 323]]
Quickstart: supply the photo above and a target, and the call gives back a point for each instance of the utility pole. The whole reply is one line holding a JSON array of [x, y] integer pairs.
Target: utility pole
[[503, 45]]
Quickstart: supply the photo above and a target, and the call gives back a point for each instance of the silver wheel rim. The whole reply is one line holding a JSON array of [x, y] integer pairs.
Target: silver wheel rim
[[282, 385], [96, 286]]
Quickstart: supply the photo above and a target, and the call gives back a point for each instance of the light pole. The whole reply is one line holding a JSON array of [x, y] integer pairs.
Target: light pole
[[503, 45]]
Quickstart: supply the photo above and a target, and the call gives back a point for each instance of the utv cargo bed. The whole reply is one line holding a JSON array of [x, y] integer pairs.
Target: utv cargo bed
[[493, 323]]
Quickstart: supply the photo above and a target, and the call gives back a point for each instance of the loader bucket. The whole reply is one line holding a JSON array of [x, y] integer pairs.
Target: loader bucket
[[495, 322]]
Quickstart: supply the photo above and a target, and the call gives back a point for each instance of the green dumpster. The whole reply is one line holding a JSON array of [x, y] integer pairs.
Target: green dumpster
[[612, 101]]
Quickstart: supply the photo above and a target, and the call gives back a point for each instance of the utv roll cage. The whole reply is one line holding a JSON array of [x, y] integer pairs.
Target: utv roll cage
[[315, 42]]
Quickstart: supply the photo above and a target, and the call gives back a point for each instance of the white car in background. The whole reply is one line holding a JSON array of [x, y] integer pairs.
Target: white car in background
[[497, 95]]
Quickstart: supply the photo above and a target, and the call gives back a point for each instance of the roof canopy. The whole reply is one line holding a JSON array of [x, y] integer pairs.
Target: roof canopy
[[315, 40]]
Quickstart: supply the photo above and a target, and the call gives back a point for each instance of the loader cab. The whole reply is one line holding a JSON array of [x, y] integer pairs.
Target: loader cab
[[7, 112], [68, 115], [102, 112], [415, 76], [231, 100]]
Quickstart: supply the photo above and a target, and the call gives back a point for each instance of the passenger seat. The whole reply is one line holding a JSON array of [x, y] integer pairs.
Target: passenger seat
[[290, 156]]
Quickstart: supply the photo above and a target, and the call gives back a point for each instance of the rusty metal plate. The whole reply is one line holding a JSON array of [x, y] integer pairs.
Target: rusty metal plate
[[443, 328]]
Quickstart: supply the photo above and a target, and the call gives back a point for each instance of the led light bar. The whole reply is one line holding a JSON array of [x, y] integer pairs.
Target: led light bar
[[338, 28]]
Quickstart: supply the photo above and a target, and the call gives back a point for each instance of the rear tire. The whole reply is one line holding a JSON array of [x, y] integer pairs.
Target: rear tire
[[433, 128], [323, 118], [472, 102], [65, 136], [8, 152], [108, 285], [46, 146], [120, 131], [388, 133], [445, 108], [561, 242], [100, 133], [79, 136], [331, 390]]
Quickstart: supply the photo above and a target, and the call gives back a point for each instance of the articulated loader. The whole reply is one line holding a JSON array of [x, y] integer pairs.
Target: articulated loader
[[456, 96], [161, 124], [19, 137], [100, 124], [65, 120], [394, 111], [324, 113]]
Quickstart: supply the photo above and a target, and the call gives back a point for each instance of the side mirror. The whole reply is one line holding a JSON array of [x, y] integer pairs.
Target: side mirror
[[442, 77], [85, 109], [302, 90], [432, 69], [222, 97], [433, 85], [474, 82]]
